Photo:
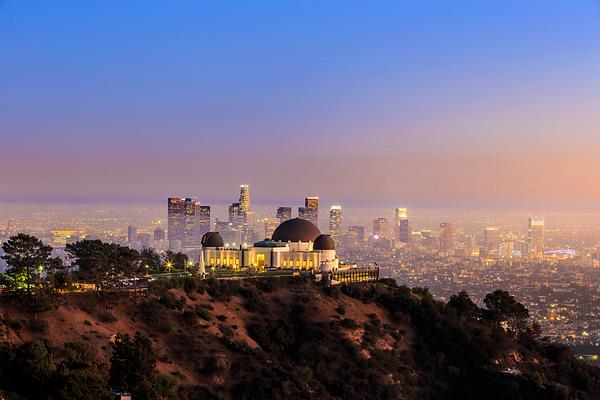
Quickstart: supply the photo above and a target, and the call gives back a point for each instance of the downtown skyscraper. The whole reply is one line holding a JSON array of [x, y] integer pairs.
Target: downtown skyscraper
[[283, 214], [183, 222], [402, 231], [536, 232], [446, 238], [244, 198], [380, 228], [335, 221], [310, 211]]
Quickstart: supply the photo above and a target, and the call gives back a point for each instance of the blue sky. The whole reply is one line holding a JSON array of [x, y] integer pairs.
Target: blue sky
[[423, 102]]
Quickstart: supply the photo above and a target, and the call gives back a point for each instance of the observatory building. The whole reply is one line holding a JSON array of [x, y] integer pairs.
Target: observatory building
[[296, 244]]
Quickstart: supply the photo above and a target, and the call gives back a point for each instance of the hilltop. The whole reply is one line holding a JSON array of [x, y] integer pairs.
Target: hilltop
[[288, 338]]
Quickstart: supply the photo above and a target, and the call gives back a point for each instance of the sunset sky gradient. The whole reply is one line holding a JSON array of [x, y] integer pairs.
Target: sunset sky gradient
[[422, 103]]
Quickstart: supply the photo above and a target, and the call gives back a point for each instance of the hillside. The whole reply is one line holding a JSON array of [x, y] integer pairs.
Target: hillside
[[289, 338]]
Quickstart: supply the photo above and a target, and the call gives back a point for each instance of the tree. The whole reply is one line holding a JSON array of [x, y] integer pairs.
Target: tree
[[92, 257], [463, 304], [505, 311], [103, 263], [150, 260], [177, 261], [133, 368], [27, 259]]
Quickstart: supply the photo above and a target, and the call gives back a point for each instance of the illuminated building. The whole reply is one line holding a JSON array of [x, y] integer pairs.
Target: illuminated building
[[446, 238], [270, 224], [235, 215], [229, 232], [244, 198], [190, 223], [203, 221], [380, 227], [491, 238], [401, 226], [175, 219], [62, 237], [159, 233], [335, 221], [132, 234], [356, 233], [310, 211], [536, 235], [183, 220], [284, 213], [296, 244]]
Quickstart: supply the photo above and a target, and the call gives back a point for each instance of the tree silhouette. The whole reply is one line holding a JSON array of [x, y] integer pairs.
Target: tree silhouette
[[27, 259]]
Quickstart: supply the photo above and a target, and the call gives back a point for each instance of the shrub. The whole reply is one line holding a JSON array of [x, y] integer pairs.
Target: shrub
[[169, 300]]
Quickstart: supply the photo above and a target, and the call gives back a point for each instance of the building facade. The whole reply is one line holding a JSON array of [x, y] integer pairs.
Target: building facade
[[296, 244], [335, 221]]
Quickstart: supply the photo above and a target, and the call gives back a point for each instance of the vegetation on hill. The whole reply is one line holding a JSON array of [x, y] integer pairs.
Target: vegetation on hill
[[285, 338]]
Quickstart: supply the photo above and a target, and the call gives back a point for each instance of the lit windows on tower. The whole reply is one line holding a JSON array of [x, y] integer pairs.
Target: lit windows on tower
[[335, 221], [536, 235]]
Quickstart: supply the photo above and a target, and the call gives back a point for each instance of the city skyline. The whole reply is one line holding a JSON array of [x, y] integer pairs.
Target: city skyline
[[504, 118]]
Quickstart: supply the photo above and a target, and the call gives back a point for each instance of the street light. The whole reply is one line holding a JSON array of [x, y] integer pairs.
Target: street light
[[169, 266]]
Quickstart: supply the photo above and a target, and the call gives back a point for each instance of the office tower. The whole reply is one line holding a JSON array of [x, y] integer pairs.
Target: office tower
[[244, 198], [203, 221], [231, 235], [446, 237], [491, 238], [183, 222], [402, 228], [284, 213], [270, 224], [159, 233], [175, 220], [235, 215], [380, 227], [335, 221], [190, 223], [536, 235], [132, 234], [356, 233], [310, 211]]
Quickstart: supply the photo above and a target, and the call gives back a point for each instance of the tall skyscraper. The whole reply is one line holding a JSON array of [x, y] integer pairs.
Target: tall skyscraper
[[183, 219], [190, 223], [380, 227], [132, 234], [244, 198], [235, 215], [446, 237], [310, 211], [176, 206], [401, 226], [284, 213], [335, 221], [491, 238], [536, 235], [270, 224], [203, 221]]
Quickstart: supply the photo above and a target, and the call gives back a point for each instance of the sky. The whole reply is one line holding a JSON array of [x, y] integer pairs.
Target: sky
[[417, 104]]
